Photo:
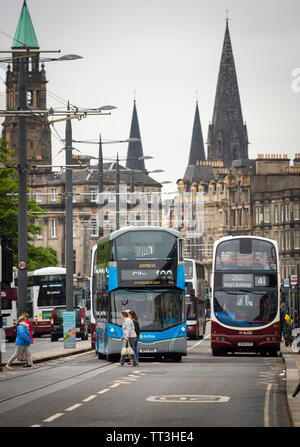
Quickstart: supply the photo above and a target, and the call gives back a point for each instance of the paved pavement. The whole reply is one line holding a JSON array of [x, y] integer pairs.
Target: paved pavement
[[291, 359], [292, 372], [53, 353]]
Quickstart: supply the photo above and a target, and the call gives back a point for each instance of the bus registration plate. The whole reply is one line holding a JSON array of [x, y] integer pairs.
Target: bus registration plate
[[147, 350], [245, 343]]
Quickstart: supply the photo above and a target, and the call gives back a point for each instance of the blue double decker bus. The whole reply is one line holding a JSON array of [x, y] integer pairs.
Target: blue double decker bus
[[142, 269]]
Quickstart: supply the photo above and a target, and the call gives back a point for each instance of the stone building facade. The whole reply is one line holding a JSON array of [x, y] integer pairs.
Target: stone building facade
[[257, 197]]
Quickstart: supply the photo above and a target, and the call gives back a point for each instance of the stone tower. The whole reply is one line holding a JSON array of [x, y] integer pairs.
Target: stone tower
[[38, 132], [227, 134]]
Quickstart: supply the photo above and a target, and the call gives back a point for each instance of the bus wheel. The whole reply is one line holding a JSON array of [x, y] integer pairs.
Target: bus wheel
[[273, 352], [177, 357], [101, 356]]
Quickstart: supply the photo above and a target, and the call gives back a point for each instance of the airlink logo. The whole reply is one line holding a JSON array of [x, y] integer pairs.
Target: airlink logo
[[147, 336]]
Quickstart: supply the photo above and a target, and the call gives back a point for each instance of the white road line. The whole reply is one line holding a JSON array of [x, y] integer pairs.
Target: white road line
[[52, 418], [73, 407], [199, 343], [103, 391], [87, 399], [36, 425], [115, 385]]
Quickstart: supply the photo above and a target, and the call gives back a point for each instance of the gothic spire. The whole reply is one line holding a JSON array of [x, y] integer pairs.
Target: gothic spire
[[197, 152], [135, 148], [25, 35], [227, 134]]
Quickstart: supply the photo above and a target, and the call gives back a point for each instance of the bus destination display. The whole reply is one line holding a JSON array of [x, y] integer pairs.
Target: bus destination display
[[237, 280], [142, 274]]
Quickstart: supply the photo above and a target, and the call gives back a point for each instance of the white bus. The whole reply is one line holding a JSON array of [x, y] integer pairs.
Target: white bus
[[195, 298], [46, 290], [9, 309]]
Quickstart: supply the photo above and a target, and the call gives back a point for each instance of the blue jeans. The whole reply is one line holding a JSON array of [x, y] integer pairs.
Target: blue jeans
[[131, 342], [136, 350]]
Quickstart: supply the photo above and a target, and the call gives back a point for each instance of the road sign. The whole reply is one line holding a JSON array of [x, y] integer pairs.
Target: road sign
[[294, 280], [22, 265]]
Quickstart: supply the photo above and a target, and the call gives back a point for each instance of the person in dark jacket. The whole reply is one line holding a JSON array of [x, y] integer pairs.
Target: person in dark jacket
[[133, 316], [23, 341]]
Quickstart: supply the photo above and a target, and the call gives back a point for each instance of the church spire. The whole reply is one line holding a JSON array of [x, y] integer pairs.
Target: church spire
[[135, 148], [227, 134], [197, 152], [25, 35]]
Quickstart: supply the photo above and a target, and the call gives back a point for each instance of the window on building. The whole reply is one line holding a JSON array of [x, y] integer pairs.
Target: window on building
[[40, 224], [94, 228], [267, 213], [258, 215], [297, 211], [93, 192], [287, 211], [38, 196], [246, 217], [282, 212], [276, 214], [282, 240], [53, 194], [53, 228], [287, 240], [297, 239]]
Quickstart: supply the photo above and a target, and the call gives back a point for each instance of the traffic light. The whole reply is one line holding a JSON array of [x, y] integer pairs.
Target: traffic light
[[6, 261]]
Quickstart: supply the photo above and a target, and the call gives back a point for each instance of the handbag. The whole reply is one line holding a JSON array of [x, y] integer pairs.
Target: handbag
[[22, 357], [127, 349]]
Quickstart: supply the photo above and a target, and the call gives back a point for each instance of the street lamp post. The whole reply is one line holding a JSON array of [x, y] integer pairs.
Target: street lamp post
[[69, 219], [22, 194]]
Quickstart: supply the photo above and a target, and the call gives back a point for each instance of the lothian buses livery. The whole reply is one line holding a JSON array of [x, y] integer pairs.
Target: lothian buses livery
[[195, 298], [245, 309], [9, 309], [142, 269], [46, 290]]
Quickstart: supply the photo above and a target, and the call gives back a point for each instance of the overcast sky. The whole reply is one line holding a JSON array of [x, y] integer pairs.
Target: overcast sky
[[166, 51]]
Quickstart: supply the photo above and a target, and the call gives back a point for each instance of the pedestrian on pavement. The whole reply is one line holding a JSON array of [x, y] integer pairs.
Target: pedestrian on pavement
[[134, 318], [283, 323], [28, 324], [129, 336], [23, 341]]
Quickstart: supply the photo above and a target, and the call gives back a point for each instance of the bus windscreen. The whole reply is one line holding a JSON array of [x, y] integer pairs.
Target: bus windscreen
[[145, 245], [236, 255]]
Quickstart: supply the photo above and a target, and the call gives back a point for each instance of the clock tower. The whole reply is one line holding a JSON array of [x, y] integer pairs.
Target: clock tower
[[38, 131]]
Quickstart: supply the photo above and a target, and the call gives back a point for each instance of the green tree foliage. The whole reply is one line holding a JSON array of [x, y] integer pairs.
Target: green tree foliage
[[38, 257]]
